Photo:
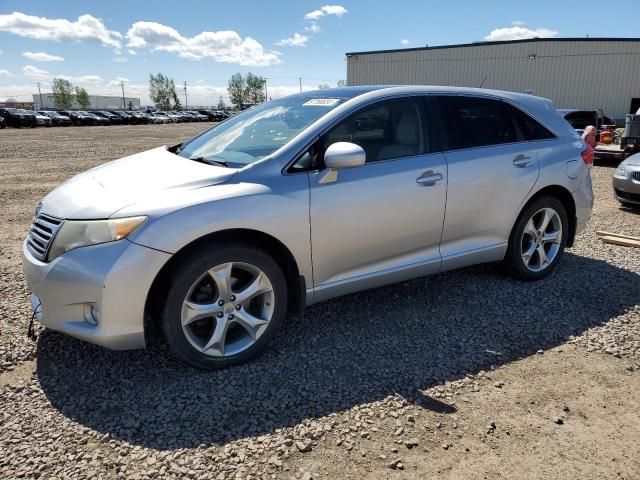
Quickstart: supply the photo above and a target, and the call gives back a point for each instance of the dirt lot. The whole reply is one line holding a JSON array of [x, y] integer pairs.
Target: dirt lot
[[466, 374]]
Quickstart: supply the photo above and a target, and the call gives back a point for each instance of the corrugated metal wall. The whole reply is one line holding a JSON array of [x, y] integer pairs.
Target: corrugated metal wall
[[574, 74]]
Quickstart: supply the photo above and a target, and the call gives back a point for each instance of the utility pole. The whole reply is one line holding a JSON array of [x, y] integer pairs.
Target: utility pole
[[40, 93], [124, 105], [185, 94], [300, 79]]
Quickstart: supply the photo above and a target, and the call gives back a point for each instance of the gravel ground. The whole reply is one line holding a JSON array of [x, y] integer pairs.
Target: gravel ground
[[466, 374]]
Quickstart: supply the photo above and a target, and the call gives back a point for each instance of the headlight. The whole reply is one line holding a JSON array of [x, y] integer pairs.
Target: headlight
[[80, 233], [621, 171]]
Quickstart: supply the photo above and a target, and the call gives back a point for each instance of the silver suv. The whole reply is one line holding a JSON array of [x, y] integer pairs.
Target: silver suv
[[299, 200]]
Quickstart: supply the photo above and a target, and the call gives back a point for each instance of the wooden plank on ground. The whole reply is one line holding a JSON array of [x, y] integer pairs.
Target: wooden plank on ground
[[625, 242], [602, 233]]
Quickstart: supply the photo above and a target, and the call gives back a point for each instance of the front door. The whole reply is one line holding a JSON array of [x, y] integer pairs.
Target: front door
[[380, 222]]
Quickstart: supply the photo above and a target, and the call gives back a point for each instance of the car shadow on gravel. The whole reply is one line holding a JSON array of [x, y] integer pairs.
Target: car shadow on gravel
[[345, 352]]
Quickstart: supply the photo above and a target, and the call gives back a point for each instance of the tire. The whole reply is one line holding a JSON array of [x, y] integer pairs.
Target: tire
[[528, 243], [199, 280]]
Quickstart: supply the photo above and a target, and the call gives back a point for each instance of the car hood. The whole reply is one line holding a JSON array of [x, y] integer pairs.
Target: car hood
[[633, 160], [102, 191]]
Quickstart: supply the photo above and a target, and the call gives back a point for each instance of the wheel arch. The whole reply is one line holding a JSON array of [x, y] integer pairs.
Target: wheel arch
[[274, 247], [565, 197]]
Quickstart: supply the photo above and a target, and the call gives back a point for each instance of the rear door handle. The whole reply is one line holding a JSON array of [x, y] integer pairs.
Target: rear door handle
[[429, 178], [522, 161]]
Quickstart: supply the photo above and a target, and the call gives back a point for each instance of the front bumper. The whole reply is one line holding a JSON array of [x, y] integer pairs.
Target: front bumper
[[626, 188], [114, 278]]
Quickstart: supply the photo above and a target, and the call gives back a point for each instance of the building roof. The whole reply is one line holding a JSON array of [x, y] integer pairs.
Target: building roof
[[501, 42]]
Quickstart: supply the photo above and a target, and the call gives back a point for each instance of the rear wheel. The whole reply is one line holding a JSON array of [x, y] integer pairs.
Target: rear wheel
[[224, 306], [538, 239]]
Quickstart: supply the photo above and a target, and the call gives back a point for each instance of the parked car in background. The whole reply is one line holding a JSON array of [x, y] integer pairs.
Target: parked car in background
[[57, 119], [581, 119], [125, 117], [626, 182], [198, 116], [176, 117], [78, 118], [159, 118], [215, 244], [43, 120], [3, 123], [112, 118], [16, 117], [97, 119], [165, 115], [138, 117]]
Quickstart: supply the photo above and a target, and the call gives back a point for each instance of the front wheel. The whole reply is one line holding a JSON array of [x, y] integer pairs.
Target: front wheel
[[224, 305], [538, 240]]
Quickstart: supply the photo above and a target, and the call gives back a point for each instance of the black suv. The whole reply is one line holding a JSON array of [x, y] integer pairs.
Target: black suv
[[16, 117]]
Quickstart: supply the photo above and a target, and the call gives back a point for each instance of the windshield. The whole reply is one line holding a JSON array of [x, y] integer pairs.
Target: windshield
[[258, 132]]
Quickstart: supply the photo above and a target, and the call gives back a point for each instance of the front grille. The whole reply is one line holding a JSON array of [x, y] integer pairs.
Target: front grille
[[43, 231], [635, 175]]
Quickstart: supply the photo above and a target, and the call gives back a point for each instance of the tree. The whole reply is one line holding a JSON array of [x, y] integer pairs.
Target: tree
[[62, 94], [254, 88], [322, 86], [176, 101], [341, 83], [236, 89], [82, 98], [162, 91], [221, 105]]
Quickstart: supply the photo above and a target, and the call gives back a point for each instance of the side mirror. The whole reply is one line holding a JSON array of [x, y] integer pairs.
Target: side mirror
[[344, 155]]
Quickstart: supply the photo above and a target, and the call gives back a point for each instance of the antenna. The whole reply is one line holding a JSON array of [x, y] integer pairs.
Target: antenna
[[482, 83]]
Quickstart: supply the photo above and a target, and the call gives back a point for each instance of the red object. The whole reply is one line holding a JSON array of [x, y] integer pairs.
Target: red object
[[606, 137], [587, 155]]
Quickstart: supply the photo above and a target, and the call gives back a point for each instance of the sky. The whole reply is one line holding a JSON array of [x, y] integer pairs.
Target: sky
[[98, 45]]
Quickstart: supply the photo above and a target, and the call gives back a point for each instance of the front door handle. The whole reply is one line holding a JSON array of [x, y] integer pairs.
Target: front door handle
[[429, 178], [522, 161]]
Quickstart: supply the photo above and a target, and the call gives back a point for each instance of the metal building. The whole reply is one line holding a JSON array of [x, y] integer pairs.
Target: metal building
[[98, 102], [581, 73]]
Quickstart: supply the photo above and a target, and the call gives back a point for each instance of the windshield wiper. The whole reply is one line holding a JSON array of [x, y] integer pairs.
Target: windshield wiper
[[208, 161]]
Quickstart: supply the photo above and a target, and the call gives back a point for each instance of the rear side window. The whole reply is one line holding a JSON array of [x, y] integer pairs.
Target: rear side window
[[528, 128], [476, 122]]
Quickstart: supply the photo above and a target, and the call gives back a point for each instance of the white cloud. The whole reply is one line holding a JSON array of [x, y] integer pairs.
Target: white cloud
[[5, 73], [132, 52], [222, 46], [296, 41], [85, 28], [337, 10], [406, 42], [313, 28], [116, 81], [42, 57], [519, 32], [40, 74], [120, 59], [517, 23], [35, 72]]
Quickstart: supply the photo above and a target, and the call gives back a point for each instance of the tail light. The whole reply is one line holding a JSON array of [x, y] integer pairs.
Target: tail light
[[587, 156]]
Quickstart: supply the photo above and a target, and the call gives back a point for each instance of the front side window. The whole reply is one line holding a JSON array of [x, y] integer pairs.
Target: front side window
[[386, 130], [476, 122], [258, 132]]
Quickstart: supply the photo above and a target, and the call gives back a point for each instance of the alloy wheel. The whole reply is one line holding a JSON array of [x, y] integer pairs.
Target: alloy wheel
[[541, 239], [227, 309]]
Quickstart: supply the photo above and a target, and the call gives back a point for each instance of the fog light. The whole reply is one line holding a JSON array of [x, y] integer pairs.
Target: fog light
[[91, 314]]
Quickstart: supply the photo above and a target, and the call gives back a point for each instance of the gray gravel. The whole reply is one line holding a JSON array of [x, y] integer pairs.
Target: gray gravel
[[355, 368]]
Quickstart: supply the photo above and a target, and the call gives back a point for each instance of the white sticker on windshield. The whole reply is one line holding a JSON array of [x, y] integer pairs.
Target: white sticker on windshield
[[321, 102]]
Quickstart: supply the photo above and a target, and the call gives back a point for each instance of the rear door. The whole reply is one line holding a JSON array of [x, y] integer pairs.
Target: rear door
[[491, 171]]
